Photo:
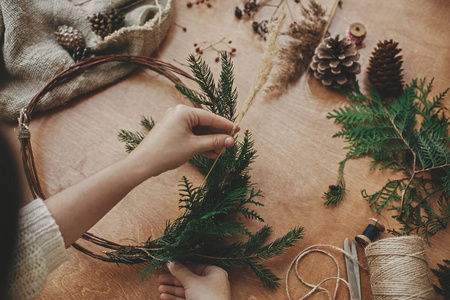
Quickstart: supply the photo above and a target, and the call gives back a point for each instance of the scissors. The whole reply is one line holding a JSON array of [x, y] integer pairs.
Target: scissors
[[353, 276]]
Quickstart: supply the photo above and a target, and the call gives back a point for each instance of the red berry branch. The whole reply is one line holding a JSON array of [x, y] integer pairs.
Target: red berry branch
[[218, 47]]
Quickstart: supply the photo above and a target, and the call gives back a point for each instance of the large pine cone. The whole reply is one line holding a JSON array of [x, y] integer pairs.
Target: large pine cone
[[103, 24], [69, 37], [385, 69], [335, 62]]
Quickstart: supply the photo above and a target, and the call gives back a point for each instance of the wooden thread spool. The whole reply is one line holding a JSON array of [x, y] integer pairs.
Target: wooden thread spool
[[370, 233], [357, 33]]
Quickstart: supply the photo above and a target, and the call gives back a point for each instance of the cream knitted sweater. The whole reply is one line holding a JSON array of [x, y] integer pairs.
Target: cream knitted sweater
[[40, 249]]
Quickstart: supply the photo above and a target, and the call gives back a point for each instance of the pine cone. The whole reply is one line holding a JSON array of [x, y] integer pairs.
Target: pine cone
[[335, 62], [103, 24], [82, 53], [116, 20], [385, 69], [69, 37]]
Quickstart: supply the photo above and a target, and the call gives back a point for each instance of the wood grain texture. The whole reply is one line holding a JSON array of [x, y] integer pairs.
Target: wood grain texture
[[297, 158]]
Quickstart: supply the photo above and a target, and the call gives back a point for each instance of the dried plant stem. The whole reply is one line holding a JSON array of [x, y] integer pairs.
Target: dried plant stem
[[414, 170], [270, 52], [330, 18]]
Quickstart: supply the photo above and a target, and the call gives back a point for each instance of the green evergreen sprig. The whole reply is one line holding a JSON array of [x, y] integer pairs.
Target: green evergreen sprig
[[443, 274], [410, 135], [133, 138], [210, 229]]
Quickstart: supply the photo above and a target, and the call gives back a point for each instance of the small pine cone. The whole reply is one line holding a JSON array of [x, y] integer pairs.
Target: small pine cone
[[100, 24], [335, 62], [103, 24], [82, 53], [115, 20], [69, 37], [385, 69]]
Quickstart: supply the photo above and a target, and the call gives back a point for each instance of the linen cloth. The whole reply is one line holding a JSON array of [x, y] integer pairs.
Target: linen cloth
[[30, 55]]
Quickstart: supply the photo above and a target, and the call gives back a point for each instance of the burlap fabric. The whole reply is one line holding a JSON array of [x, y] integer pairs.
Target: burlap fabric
[[31, 56]]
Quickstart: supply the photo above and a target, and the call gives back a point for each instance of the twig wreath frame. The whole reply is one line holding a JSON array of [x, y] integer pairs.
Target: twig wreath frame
[[167, 70]]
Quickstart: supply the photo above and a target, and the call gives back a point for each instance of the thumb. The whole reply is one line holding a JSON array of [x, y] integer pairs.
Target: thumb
[[214, 142], [181, 272]]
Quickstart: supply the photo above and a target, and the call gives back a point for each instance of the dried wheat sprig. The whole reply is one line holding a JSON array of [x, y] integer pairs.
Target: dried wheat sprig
[[270, 52]]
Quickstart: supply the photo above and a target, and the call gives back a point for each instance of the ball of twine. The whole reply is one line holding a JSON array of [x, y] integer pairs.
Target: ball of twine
[[399, 269]]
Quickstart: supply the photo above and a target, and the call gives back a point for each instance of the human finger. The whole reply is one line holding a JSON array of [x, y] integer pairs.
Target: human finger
[[202, 117], [181, 272], [210, 154], [213, 142], [177, 291], [214, 270], [197, 268], [165, 296], [168, 279]]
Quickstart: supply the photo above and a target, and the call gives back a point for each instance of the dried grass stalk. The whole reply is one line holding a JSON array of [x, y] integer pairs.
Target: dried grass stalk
[[295, 56], [269, 54]]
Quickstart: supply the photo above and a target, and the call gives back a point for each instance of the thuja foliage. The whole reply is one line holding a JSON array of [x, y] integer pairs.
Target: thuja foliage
[[443, 274], [409, 134], [210, 229]]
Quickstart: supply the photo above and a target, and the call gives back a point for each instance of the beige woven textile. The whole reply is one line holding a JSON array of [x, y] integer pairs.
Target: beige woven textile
[[30, 55]]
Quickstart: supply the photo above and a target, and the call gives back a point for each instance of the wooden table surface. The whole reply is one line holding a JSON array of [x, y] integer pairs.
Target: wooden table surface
[[297, 158]]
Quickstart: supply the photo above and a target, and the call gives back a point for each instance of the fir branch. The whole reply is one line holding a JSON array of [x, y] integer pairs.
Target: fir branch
[[227, 93], [257, 239], [336, 192], [192, 95], [211, 213], [409, 134], [205, 80], [131, 139], [280, 245], [266, 275], [147, 123], [443, 275]]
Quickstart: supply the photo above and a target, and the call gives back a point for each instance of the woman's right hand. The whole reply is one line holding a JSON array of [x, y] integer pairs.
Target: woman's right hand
[[198, 282], [183, 132]]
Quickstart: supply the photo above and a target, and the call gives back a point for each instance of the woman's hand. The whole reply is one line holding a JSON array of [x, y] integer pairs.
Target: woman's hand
[[198, 282], [182, 133]]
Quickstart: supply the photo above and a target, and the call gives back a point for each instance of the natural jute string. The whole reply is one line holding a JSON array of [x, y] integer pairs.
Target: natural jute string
[[399, 269], [318, 287]]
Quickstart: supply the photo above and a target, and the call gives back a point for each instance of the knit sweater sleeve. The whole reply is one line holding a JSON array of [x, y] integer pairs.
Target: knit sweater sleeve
[[40, 249]]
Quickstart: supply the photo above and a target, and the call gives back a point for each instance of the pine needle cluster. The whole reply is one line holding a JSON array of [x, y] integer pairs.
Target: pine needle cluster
[[410, 135], [443, 274], [210, 229]]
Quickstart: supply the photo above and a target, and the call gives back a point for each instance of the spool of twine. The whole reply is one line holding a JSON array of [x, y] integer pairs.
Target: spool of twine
[[399, 269]]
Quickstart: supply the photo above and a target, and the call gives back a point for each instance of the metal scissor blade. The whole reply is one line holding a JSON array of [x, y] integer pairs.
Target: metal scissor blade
[[357, 275], [350, 266]]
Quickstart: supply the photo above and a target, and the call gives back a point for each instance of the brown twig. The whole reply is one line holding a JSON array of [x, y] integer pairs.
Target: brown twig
[[414, 167], [414, 170], [330, 18], [128, 5]]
